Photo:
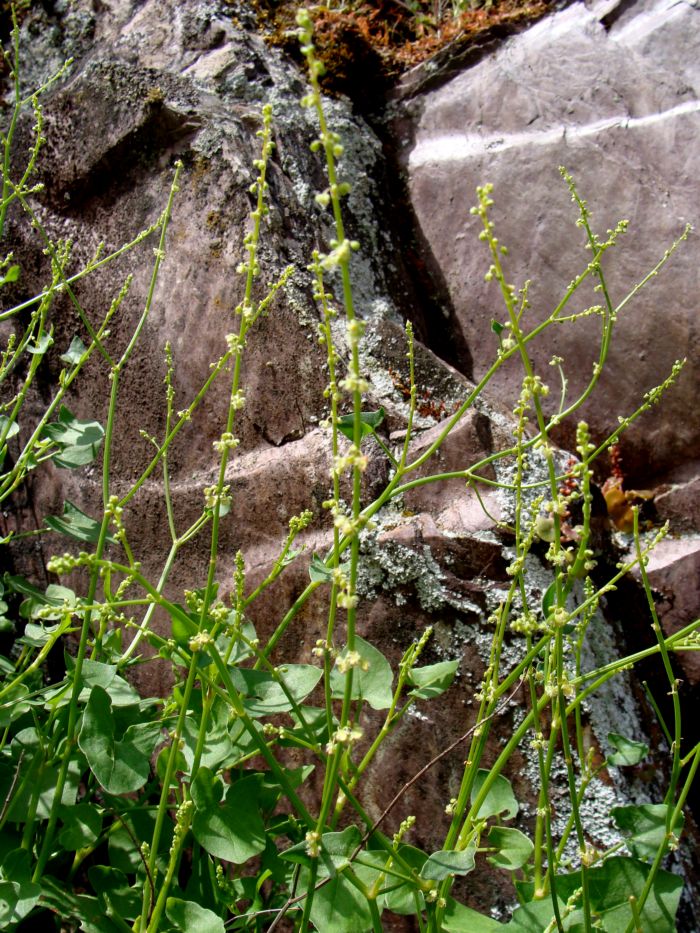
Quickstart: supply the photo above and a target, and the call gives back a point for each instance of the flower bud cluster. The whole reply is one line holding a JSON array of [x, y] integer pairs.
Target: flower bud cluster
[[336, 191], [353, 383], [313, 844], [352, 459], [212, 497], [200, 641], [526, 623], [558, 618], [114, 512], [235, 343], [345, 524], [350, 660], [559, 556], [226, 442], [344, 737], [299, 522], [322, 648], [67, 563], [404, 827], [339, 255], [237, 400]]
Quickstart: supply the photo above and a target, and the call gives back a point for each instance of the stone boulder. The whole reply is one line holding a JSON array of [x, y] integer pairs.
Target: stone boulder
[[163, 80], [610, 91]]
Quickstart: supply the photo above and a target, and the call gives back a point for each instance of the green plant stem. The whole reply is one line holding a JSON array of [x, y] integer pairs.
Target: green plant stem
[[88, 270], [663, 848], [668, 670], [162, 811], [77, 687], [73, 711], [9, 136]]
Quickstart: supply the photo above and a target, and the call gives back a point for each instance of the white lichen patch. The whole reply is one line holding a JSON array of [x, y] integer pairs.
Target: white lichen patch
[[535, 482], [594, 810], [390, 567], [387, 566]]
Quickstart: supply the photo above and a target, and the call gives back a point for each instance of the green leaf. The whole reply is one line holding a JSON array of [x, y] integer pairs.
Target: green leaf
[[76, 524], [99, 674], [38, 349], [121, 766], [11, 427], [338, 905], [191, 918], [17, 866], [232, 830], [612, 884], [59, 897], [549, 599], [315, 724], [499, 800], [20, 585], [645, 827], [183, 627], [449, 862], [497, 328], [432, 680], [535, 916], [82, 825], [115, 893], [12, 707], [240, 650], [11, 275], [373, 684], [49, 605], [514, 847], [335, 850], [123, 854], [36, 636], [72, 458], [17, 899], [460, 919], [75, 352], [290, 557], [320, 573], [218, 746], [369, 420], [42, 782], [402, 899], [78, 441], [18, 894], [627, 751], [610, 887], [264, 693]]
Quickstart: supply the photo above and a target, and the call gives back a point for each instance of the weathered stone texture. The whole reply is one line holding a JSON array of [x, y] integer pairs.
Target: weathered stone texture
[[611, 93], [157, 81]]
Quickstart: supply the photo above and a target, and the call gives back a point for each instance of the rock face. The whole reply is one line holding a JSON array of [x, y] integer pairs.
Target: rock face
[[610, 91], [156, 81]]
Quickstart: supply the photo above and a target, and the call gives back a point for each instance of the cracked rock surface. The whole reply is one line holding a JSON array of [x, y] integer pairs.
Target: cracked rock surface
[[603, 90], [610, 91]]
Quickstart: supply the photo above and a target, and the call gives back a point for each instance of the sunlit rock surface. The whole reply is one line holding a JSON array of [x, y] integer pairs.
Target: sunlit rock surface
[[611, 93], [158, 81]]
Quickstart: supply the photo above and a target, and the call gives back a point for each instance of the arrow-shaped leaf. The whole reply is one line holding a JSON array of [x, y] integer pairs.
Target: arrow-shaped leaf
[[76, 524], [369, 420], [121, 766]]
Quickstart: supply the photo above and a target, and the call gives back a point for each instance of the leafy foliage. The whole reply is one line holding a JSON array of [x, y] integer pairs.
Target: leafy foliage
[[241, 797]]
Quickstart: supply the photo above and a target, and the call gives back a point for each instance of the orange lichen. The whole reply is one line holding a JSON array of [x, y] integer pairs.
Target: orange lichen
[[620, 501], [400, 37]]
